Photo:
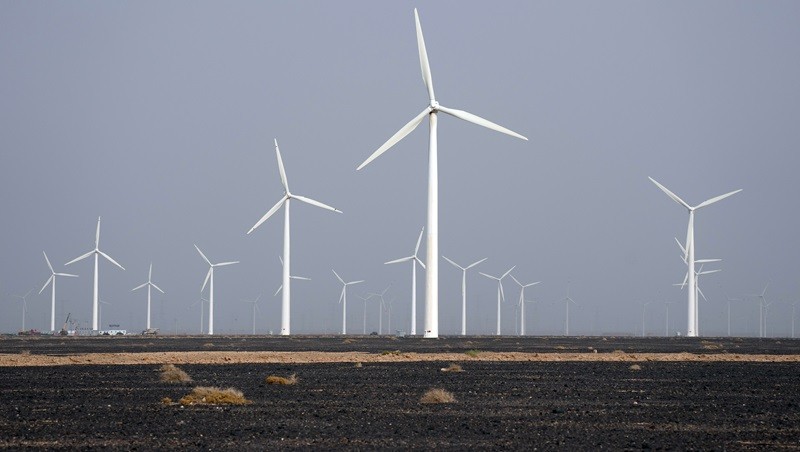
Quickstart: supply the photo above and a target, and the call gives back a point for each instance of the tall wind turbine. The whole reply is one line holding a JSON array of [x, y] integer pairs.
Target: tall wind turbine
[[343, 299], [501, 296], [762, 302], [464, 291], [414, 259], [255, 308], [692, 319], [522, 303], [97, 253], [697, 289], [149, 284], [52, 280], [24, 299], [286, 201], [432, 242], [210, 278]]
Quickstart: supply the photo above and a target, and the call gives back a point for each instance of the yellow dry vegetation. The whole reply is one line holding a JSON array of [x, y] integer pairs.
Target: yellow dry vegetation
[[172, 374], [437, 395], [208, 395], [278, 380]]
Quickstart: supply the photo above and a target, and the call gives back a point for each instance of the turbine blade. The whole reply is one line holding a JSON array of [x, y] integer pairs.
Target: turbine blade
[[97, 234], [84, 256], [356, 282], [420, 262], [673, 196], [338, 277], [278, 291], [397, 261], [502, 293], [280, 167], [269, 213], [408, 128], [47, 283], [700, 291], [475, 263], [716, 199], [315, 203], [489, 276], [222, 264], [456, 265], [203, 255], [419, 240], [208, 275], [302, 278], [533, 284], [157, 288], [48, 262], [341, 296], [423, 58], [706, 261], [66, 274], [517, 281], [150, 272], [685, 278], [708, 272], [475, 119], [509, 271], [683, 250], [139, 287], [111, 260]]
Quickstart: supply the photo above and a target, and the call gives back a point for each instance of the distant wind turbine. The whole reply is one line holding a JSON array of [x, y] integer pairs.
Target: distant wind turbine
[[364, 319], [201, 301], [762, 303], [414, 259], [96, 252], [255, 308], [149, 284], [381, 306], [464, 291], [692, 306], [52, 280], [343, 298], [522, 303], [286, 201], [644, 308], [24, 299], [501, 296], [100, 311], [299, 278], [210, 278], [432, 242], [567, 300]]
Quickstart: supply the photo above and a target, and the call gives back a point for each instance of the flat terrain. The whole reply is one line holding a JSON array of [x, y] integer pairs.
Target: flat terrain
[[708, 403]]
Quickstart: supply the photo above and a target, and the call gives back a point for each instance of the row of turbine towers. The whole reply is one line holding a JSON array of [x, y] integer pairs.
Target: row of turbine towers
[[431, 313]]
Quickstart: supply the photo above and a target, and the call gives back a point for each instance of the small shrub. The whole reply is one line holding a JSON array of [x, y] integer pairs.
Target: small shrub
[[347, 341], [172, 374], [390, 352], [453, 367], [437, 396], [206, 395], [277, 380], [166, 401], [473, 353], [358, 364], [635, 367]]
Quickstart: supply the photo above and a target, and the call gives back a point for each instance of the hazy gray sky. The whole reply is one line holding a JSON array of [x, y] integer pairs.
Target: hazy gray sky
[[160, 116]]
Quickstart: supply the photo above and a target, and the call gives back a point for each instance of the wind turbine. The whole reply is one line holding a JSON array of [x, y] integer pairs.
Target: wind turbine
[[100, 311], [644, 308], [729, 312], [286, 202], [96, 252], [762, 301], [464, 291], [567, 300], [692, 319], [364, 320], [202, 301], [343, 299], [300, 278], [52, 279], [381, 305], [501, 296], [699, 291], [149, 284], [255, 308], [432, 242], [414, 261], [522, 303], [210, 276], [24, 299]]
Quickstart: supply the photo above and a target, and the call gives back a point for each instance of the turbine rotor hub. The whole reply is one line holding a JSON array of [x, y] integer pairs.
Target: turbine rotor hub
[[434, 105]]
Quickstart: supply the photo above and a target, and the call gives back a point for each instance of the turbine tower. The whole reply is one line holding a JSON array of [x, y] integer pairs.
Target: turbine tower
[[501, 296], [414, 261], [464, 291], [432, 242], [567, 300], [210, 278], [343, 299], [691, 330], [522, 303], [286, 201], [24, 299], [149, 285], [52, 279], [381, 306], [255, 308], [97, 253]]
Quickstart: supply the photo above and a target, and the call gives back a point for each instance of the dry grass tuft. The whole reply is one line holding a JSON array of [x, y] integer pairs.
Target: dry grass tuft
[[390, 352], [24, 352], [635, 367], [473, 353], [206, 395], [347, 341], [166, 401], [172, 374], [453, 367], [358, 364], [437, 396], [276, 380]]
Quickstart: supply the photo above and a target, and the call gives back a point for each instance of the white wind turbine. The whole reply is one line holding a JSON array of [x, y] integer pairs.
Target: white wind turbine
[[692, 319], [381, 306], [432, 242], [24, 299], [97, 253], [210, 278], [52, 280], [644, 308], [697, 289], [567, 300], [762, 303], [299, 278], [286, 201], [364, 319], [522, 303], [202, 301], [501, 296], [414, 259], [255, 308], [343, 299], [464, 291], [100, 311], [149, 284]]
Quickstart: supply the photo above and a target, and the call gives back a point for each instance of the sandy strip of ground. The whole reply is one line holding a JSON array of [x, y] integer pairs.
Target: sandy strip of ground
[[308, 357]]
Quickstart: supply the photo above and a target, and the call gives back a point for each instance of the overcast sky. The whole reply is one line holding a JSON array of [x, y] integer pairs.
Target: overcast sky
[[160, 117]]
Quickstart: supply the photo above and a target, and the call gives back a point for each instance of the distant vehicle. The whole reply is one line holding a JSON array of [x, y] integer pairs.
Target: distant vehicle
[[150, 332], [114, 333]]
